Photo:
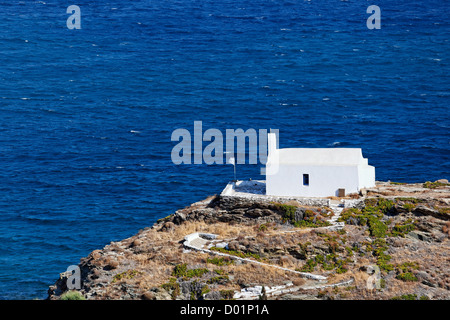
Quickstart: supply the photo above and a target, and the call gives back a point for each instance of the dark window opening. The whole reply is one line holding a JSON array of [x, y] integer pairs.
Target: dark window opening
[[306, 179]]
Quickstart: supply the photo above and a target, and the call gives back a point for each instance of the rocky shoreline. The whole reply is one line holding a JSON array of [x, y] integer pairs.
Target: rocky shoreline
[[394, 244]]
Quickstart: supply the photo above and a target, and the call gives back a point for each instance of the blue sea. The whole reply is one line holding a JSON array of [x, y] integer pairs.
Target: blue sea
[[87, 114]]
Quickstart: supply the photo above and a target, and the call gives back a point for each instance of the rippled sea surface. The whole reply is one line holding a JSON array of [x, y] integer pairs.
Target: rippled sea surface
[[87, 115]]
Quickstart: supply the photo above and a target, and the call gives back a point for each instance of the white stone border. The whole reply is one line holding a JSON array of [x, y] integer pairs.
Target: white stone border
[[255, 292], [191, 237]]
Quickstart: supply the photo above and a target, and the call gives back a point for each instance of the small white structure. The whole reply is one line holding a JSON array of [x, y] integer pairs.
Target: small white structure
[[316, 172]]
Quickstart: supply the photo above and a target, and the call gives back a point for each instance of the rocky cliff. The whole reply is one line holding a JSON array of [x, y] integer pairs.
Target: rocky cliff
[[394, 245]]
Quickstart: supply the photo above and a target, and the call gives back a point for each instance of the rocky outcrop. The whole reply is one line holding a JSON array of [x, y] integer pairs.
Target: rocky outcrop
[[156, 293], [422, 210], [242, 210], [156, 265]]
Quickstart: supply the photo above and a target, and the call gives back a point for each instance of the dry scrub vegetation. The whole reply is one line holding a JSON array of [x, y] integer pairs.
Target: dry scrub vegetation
[[407, 238], [153, 255]]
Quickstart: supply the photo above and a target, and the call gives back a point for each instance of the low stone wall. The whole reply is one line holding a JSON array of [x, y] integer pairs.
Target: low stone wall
[[228, 200], [354, 203], [253, 191]]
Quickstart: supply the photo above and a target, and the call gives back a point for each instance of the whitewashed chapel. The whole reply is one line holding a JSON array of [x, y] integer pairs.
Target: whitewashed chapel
[[316, 172]]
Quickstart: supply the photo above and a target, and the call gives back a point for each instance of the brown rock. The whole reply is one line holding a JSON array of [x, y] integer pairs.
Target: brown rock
[[148, 296], [168, 226], [111, 264], [135, 243], [422, 210]]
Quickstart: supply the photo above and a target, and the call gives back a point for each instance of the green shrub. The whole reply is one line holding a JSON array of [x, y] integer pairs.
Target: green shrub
[[377, 228], [181, 270], [72, 295], [409, 206], [129, 274], [379, 246], [196, 272], [385, 205], [370, 202], [341, 269], [198, 294], [410, 200], [407, 266], [362, 217], [218, 279], [346, 214], [400, 230], [310, 218], [349, 251], [287, 210], [165, 218], [205, 290], [309, 265], [434, 185], [219, 271], [405, 297], [219, 261], [172, 287], [372, 214], [407, 276], [404, 271], [311, 224], [320, 259], [227, 294], [329, 212], [328, 262], [262, 227]]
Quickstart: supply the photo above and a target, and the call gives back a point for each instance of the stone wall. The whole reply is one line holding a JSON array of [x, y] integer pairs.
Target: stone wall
[[250, 200]]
